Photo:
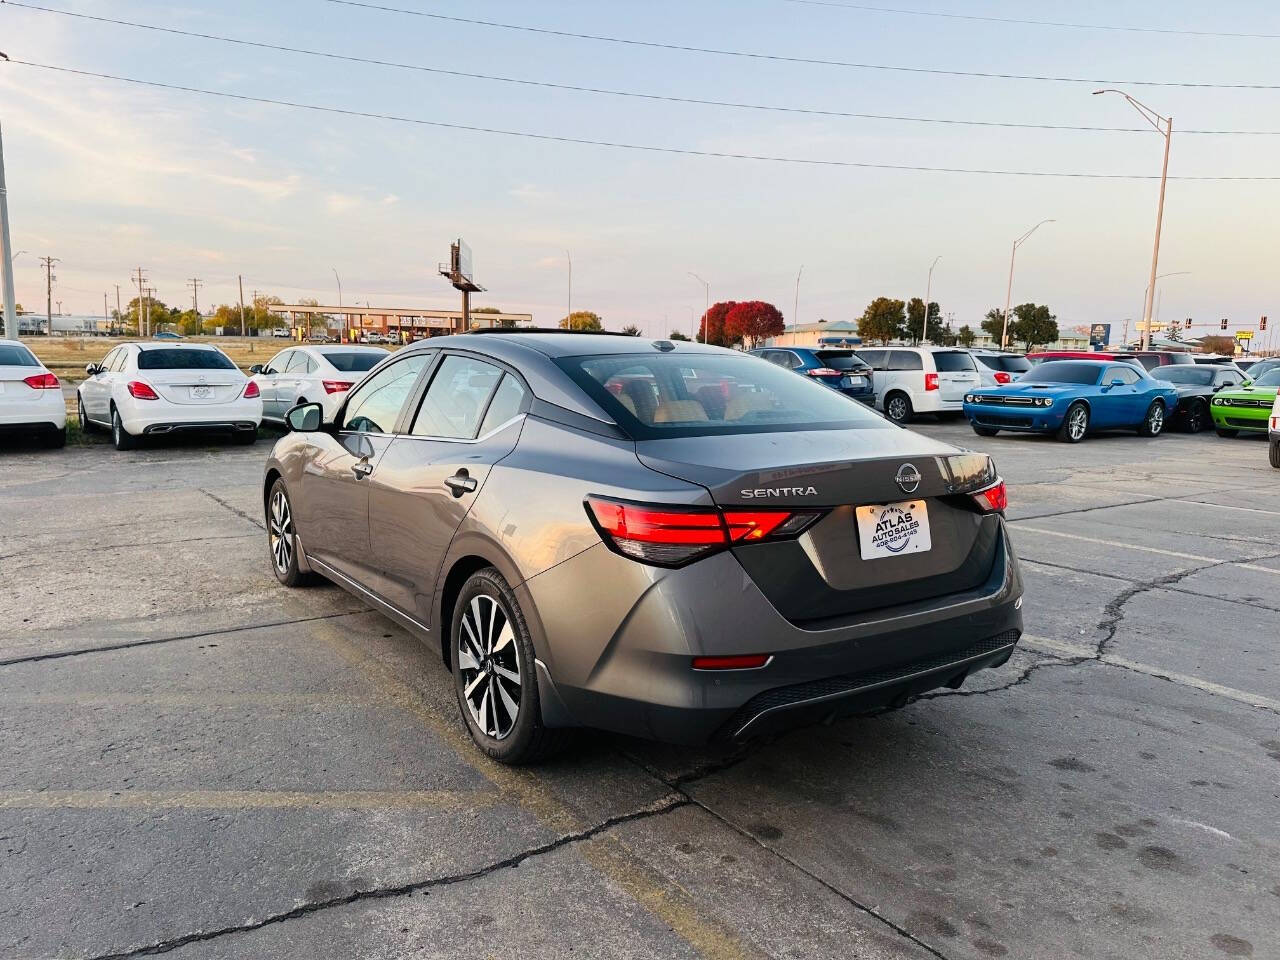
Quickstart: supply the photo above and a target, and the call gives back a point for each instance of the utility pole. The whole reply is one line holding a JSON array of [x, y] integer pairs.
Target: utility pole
[[928, 293], [706, 322], [119, 313], [240, 280], [48, 291], [194, 283], [106, 313], [570, 259], [6, 254], [141, 282], [795, 313]]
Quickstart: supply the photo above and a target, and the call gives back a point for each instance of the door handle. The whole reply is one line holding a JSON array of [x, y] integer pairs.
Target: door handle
[[361, 469], [461, 483]]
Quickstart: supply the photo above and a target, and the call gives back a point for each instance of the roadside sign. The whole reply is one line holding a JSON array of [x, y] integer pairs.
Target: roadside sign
[[1099, 335], [1244, 334]]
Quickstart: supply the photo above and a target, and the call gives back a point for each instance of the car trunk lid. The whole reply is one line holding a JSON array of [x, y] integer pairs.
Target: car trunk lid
[[199, 387]]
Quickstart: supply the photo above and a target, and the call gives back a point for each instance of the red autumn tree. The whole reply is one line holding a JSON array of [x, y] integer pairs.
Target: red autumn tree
[[711, 330], [753, 321]]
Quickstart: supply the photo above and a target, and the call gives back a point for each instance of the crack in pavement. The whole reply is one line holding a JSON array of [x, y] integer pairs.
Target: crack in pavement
[[664, 805], [152, 641], [1112, 506], [234, 509], [80, 549], [1171, 588]]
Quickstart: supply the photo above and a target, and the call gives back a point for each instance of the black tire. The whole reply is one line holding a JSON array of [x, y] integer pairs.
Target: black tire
[[121, 438], [985, 431], [1075, 423], [897, 407], [1197, 417], [1228, 434], [247, 438], [86, 425], [484, 666], [56, 439], [282, 538], [1275, 454], [1153, 423]]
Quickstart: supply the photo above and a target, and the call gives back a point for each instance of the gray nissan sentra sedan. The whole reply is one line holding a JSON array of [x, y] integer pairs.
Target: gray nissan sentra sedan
[[669, 540]]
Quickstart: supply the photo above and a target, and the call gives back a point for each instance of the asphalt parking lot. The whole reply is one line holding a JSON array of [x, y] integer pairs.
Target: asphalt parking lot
[[200, 763]]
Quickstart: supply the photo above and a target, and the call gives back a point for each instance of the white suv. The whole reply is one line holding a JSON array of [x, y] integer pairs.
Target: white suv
[[159, 388], [911, 380]]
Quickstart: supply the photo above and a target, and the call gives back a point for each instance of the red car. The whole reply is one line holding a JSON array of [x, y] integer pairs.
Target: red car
[[1150, 359]]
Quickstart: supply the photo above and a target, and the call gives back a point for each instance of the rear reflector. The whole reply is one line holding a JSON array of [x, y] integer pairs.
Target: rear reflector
[[751, 661], [42, 381], [823, 372], [141, 391], [673, 536], [251, 390], [931, 381], [993, 499], [1002, 377], [336, 386]]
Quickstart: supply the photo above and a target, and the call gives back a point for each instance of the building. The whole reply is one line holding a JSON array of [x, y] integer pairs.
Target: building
[[411, 322], [836, 333]]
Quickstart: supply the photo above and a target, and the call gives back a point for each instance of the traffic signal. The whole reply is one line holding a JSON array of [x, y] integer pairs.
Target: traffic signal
[[1262, 324], [1224, 324], [1186, 324]]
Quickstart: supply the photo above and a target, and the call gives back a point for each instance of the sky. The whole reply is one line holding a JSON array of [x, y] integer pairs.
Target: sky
[[109, 176]]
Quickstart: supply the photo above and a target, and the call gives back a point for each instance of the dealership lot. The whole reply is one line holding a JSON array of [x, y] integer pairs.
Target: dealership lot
[[199, 762]]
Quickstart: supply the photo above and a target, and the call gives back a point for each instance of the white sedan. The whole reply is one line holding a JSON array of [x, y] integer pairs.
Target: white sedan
[[310, 374], [30, 396], [153, 389]]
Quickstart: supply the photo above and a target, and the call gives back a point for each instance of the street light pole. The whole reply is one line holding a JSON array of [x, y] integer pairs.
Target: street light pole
[[928, 292], [1008, 296], [570, 259], [705, 321], [795, 314], [1174, 273], [1164, 127], [6, 254]]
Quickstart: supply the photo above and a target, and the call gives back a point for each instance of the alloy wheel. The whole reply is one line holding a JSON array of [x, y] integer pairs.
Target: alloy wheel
[[489, 666], [1079, 422], [1155, 420], [280, 531], [897, 408]]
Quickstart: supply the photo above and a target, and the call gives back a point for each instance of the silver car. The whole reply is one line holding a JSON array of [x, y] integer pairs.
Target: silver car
[[307, 374], [667, 540]]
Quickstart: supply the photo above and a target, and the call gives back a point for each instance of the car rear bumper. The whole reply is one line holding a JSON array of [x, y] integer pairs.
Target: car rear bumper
[[45, 412], [159, 417], [210, 426], [627, 667]]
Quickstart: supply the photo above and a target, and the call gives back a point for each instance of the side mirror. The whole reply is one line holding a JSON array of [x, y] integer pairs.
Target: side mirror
[[255, 369], [1117, 382], [1246, 382], [92, 369], [306, 418]]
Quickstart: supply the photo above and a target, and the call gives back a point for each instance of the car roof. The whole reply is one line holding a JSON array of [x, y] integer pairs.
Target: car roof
[[565, 344], [169, 346]]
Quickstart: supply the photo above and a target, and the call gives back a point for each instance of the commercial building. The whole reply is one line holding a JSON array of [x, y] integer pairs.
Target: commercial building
[[399, 322]]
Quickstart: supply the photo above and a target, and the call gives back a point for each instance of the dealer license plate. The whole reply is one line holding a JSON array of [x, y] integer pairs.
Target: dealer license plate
[[202, 393], [893, 529]]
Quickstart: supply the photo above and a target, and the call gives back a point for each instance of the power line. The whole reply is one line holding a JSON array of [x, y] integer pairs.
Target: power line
[[780, 58], [618, 145], [807, 111], [1035, 23]]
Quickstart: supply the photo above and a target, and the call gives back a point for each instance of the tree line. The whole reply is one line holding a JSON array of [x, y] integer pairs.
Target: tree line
[[886, 319]]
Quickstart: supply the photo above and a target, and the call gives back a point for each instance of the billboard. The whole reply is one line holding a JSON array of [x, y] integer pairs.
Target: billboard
[[462, 268], [1099, 335]]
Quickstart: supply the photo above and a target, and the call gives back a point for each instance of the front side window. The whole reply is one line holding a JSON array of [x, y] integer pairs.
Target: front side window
[[1127, 374], [299, 363], [457, 398], [278, 362], [184, 359], [874, 358], [673, 395], [376, 405]]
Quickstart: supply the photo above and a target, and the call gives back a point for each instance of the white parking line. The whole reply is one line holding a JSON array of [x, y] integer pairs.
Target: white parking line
[[1060, 648], [1242, 564], [1227, 506]]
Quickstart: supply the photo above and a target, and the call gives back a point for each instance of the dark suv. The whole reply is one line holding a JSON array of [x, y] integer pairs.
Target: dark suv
[[841, 370]]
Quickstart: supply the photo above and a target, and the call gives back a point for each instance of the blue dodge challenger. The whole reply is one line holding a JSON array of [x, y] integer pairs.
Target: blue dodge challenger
[[1070, 398]]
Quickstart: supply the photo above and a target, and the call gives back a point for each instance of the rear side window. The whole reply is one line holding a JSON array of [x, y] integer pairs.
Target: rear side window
[[183, 360], [685, 395], [12, 355], [456, 399], [839, 359], [376, 405], [354, 362], [874, 358], [120, 362], [506, 403], [1128, 374], [953, 361], [300, 363], [905, 360]]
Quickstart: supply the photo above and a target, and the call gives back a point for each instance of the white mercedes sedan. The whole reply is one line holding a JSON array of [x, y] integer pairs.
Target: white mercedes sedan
[[154, 389], [310, 374], [30, 396]]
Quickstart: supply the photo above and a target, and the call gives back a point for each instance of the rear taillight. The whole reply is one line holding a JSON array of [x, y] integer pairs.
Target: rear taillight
[[994, 499], [141, 391], [823, 372], [1002, 377], [251, 390], [673, 536], [749, 661], [42, 381], [336, 386], [931, 381]]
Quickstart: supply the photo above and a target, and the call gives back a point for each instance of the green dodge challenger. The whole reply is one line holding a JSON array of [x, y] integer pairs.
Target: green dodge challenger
[[1246, 409]]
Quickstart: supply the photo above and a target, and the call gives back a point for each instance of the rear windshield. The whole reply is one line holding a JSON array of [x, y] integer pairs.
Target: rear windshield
[[953, 361], [1009, 364], [12, 355], [840, 359], [1180, 373], [683, 395], [183, 360], [1063, 371], [351, 362]]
